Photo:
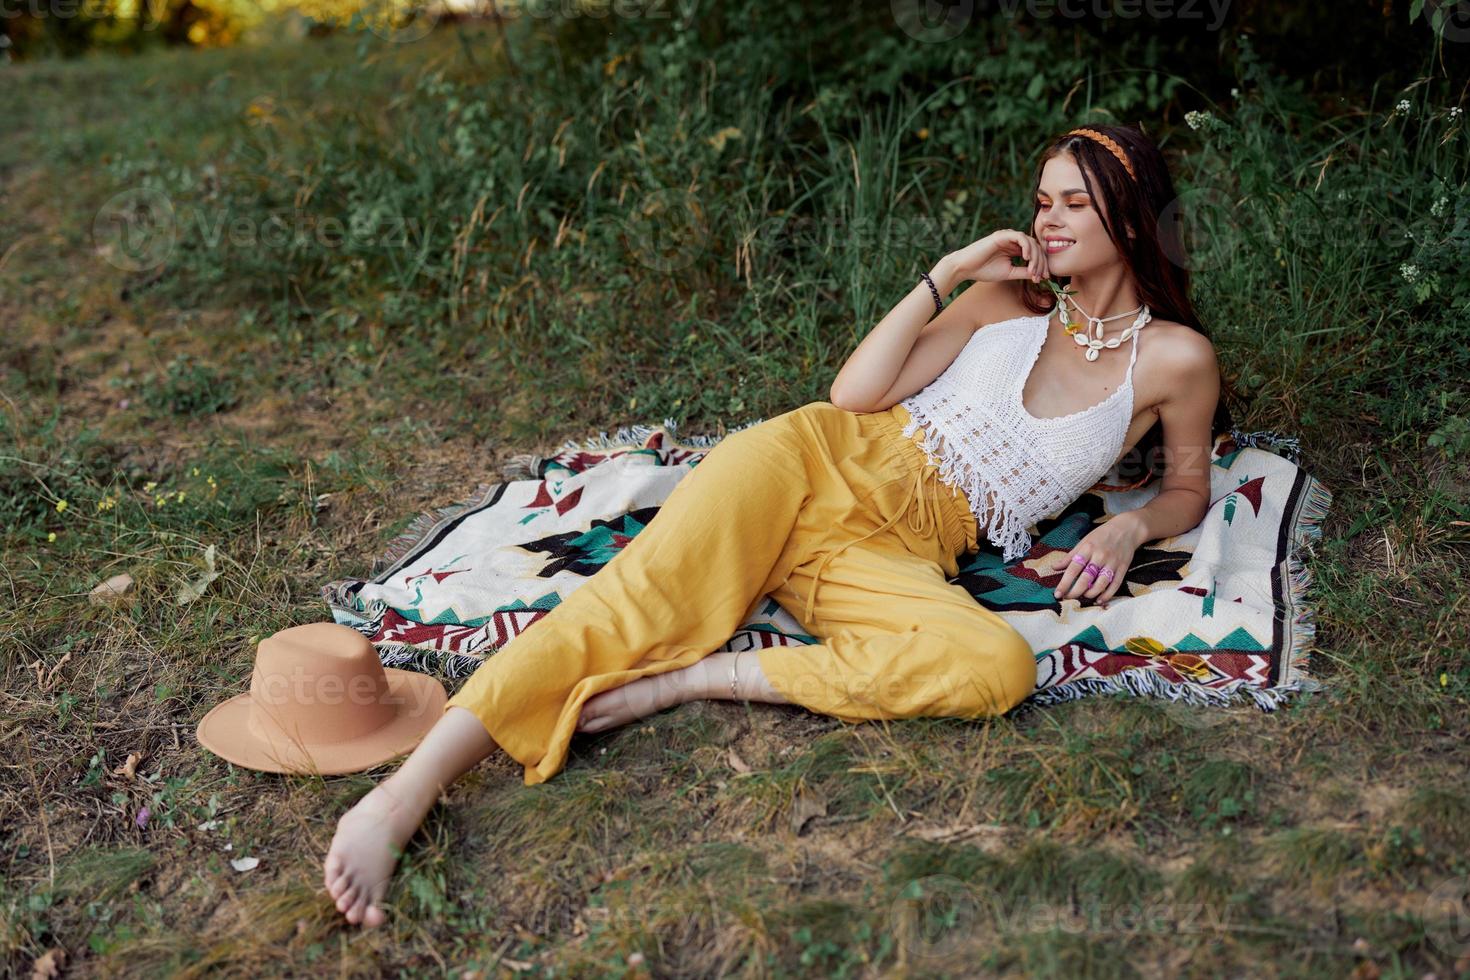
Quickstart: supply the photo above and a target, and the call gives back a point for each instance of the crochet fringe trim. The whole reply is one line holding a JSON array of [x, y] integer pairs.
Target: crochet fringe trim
[[1012, 536]]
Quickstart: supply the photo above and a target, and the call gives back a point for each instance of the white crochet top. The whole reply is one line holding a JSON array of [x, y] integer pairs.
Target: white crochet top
[[984, 442]]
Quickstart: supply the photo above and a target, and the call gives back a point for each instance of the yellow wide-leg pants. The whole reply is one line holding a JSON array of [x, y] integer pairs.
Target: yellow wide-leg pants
[[843, 522]]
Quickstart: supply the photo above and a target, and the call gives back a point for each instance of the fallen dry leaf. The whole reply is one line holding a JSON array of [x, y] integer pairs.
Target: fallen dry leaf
[[129, 769], [806, 807], [189, 591], [1366, 970], [48, 964], [111, 590], [45, 676], [944, 835], [735, 762]]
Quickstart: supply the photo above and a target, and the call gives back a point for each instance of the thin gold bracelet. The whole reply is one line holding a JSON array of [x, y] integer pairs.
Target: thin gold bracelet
[[734, 696]]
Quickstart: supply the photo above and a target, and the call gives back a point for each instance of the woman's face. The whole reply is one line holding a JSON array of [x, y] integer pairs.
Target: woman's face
[[1066, 210]]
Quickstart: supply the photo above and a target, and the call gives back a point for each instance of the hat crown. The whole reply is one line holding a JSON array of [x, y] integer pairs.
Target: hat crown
[[319, 683]]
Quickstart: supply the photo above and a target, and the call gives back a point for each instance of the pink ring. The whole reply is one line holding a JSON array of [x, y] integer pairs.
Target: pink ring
[[1091, 569], [1107, 574], [1078, 560]]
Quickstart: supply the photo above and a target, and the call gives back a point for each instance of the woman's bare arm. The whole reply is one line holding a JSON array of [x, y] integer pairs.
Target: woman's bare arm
[[872, 368], [1184, 489]]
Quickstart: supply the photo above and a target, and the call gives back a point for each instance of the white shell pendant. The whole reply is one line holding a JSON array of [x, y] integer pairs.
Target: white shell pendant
[[1096, 344]]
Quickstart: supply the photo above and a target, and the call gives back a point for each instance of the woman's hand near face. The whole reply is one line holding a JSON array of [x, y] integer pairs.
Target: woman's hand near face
[[989, 259]]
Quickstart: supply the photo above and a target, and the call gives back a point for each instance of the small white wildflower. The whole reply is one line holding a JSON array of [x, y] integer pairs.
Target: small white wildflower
[[1437, 208], [1409, 272], [1198, 120], [1403, 106], [1454, 112], [1234, 93]]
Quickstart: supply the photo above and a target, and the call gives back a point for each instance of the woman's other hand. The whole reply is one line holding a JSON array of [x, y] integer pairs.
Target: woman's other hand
[[989, 259], [1110, 545]]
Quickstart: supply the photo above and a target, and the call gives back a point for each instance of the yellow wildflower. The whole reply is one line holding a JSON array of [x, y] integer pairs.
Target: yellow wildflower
[[148, 487], [196, 471], [180, 496], [60, 506], [1444, 680], [923, 134], [51, 536], [160, 500]]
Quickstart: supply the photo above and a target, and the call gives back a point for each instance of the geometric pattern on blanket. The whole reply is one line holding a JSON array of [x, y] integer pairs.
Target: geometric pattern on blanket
[[1214, 616]]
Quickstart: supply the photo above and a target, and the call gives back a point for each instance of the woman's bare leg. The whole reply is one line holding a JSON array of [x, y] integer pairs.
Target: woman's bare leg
[[705, 679], [370, 836]]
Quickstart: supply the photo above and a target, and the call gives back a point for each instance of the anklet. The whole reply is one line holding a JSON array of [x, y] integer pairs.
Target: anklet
[[734, 695]]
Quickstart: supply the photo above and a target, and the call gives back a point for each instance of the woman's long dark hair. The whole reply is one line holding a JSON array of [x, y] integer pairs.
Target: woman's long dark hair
[[1162, 282]]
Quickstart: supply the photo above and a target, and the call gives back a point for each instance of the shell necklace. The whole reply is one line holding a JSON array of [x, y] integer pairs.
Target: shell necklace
[[1085, 337]]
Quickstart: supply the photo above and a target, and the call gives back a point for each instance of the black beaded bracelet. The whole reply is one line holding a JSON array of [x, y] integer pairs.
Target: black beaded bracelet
[[938, 303]]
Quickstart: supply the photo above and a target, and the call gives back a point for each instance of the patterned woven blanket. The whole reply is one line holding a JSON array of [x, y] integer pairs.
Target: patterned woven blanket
[[1214, 616]]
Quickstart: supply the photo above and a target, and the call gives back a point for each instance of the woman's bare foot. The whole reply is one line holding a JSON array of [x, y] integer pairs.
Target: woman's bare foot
[[366, 848], [645, 696]]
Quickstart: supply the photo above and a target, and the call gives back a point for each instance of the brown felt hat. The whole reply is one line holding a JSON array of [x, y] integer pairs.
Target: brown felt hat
[[321, 702]]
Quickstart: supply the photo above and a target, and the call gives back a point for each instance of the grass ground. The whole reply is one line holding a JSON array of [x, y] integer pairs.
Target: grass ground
[[219, 402]]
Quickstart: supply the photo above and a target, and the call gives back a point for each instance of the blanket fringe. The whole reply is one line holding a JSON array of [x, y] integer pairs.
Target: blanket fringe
[[1287, 447], [1306, 530], [529, 466], [1142, 682], [340, 595], [443, 663]]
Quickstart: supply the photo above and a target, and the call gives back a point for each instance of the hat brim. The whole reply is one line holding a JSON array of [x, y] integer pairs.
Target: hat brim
[[226, 732]]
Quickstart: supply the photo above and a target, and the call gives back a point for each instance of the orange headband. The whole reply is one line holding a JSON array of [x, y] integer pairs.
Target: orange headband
[[1108, 142]]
